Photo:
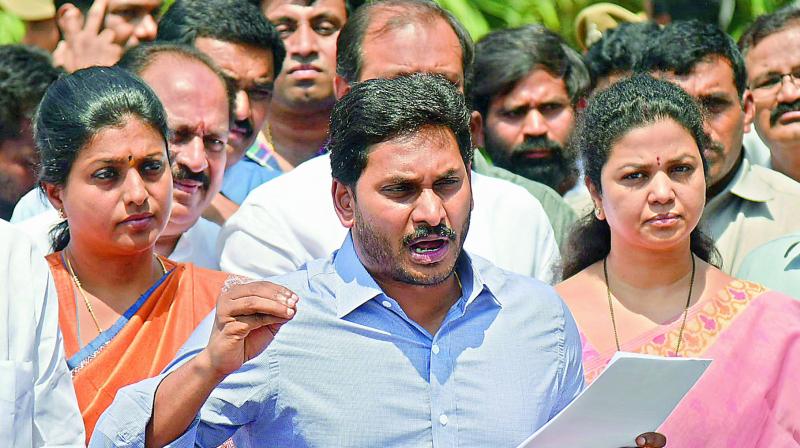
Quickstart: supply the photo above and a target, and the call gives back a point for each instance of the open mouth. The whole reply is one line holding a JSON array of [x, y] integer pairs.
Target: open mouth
[[429, 250]]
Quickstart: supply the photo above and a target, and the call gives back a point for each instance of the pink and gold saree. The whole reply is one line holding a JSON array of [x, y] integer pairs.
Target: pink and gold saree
[[750, 395]]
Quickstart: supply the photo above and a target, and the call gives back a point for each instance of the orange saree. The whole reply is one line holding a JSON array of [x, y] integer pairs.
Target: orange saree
[[144, 339]]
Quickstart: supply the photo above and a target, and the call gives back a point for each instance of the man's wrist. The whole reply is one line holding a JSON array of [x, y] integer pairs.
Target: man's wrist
[[203, 367]]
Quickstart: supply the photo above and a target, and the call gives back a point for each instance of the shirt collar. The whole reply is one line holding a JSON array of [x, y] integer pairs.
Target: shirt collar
[[357, 286], [748, 185], [792, 255]]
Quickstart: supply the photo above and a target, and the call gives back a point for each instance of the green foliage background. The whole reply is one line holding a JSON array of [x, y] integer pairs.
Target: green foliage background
[[482, 16]]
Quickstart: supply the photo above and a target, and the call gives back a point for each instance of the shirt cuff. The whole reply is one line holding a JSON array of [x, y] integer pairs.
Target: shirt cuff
[[124, 423]]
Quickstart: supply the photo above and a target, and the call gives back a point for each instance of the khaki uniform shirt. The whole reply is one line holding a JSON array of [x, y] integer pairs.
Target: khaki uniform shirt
[[758, 205]]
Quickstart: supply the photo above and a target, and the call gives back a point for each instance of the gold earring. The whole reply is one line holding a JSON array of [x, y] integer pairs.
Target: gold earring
[[61, 214], [598, 212]]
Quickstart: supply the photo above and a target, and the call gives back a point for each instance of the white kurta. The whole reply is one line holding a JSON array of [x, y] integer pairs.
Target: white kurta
[[38, 407], [290, 220]]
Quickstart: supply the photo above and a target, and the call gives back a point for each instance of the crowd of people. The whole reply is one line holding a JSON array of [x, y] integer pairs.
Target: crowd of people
[[326, 224]]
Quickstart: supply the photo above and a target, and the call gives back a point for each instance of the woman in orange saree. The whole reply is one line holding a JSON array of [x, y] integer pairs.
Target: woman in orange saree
[[640, 276], [123, 310]]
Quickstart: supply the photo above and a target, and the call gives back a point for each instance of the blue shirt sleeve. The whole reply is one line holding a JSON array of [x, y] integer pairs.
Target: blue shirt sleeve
[[572, 375], [238, 400]]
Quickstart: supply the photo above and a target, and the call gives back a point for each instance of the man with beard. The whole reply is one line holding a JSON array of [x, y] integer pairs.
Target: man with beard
[[747, 205], [300, 110], [771, 47], [527, 83], [198, 103], [25, 74], [249, 51], [396, 332], [290, 221]]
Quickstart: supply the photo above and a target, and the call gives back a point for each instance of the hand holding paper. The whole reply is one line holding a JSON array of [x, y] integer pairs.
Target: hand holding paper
[[634, 395]]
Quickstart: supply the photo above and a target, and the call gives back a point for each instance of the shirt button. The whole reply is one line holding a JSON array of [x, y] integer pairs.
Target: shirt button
[[443, 420], [387, 304], [435, 349]]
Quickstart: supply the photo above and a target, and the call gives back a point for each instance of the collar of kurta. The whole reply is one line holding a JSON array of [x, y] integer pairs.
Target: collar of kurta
[[357, 286], [749, 185]]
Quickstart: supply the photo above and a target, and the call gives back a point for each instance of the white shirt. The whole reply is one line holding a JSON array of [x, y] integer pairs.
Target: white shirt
[[37, 401], [290, 220], [197, 245], [33, 203]]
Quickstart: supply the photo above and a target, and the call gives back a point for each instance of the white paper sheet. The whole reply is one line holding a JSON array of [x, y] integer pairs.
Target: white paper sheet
[[633, 395]]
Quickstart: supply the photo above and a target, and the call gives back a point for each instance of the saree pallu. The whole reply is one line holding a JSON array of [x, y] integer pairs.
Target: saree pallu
[[750, 394], [142, 341]]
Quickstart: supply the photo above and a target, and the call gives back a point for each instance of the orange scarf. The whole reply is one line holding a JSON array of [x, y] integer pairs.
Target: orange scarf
[[142, 343]]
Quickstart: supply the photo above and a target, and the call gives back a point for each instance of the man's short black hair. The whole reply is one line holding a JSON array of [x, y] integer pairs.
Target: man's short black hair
[[350, 51], [767, 25], [380, 110], [506, 56], [25, 74], [233, 21], [349, 5], [138, 58], [619, 49], [680, 46]]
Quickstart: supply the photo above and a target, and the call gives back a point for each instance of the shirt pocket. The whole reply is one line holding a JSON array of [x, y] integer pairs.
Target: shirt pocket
[[16, 403]]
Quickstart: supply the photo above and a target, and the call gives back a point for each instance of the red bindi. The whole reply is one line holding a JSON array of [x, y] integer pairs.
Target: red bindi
[[658, 160]]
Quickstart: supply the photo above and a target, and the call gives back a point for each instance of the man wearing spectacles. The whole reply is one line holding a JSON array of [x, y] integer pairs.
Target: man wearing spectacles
[[771, 47]]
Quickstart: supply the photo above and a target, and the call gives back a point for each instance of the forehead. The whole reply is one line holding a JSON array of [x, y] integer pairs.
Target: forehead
[[421, 46], [193, 93], [665, 139], [777, 52], [133, 138], [711, 75], [537, 86], [241, 62], [428, 151], [298, 9]]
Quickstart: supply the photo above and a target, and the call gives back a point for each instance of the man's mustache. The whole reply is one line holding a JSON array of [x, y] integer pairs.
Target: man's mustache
[[537, 143], [426, 230], [781, 109], [244, 126], [181, 172]]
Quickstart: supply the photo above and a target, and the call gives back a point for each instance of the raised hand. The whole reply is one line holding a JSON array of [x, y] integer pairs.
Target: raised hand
[[248, 317], [85, 42]]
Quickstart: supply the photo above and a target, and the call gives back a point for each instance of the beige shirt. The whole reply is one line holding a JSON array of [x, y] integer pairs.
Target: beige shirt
[[758, 205]]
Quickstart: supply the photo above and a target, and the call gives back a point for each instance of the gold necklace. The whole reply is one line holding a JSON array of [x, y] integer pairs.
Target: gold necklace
[[685, 309], [83, 294]]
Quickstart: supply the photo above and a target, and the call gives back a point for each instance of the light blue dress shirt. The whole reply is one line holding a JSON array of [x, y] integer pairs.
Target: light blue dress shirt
[[352, 370]]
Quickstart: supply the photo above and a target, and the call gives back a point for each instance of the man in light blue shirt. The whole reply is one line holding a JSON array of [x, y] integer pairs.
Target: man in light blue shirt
[[775, 265], [400, 339]]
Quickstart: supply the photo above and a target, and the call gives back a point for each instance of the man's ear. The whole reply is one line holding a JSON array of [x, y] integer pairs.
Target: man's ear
[[749, 107], [340, 87], [344, 203], [476, 128], [54, 195]]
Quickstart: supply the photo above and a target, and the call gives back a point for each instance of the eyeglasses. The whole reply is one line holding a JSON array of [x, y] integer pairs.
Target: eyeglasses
[[769, 86]]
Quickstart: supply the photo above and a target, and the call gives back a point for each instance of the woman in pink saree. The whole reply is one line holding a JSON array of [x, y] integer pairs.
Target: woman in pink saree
[[640, 276]]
